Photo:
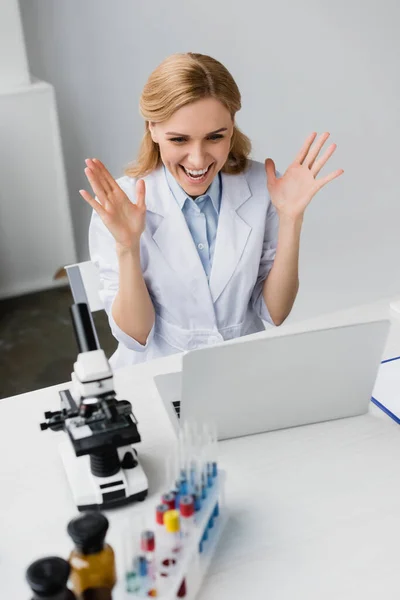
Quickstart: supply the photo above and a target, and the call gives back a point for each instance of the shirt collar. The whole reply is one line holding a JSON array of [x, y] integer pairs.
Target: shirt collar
[[214, 191]]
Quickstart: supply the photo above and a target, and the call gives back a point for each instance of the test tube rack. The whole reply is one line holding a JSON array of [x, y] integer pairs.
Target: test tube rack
[[191, 564]]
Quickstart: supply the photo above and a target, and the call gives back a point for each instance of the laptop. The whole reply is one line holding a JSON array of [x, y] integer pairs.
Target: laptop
[[271, 383]]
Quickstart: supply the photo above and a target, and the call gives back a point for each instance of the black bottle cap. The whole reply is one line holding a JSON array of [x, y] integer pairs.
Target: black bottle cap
[[88, 532], [48, 576]]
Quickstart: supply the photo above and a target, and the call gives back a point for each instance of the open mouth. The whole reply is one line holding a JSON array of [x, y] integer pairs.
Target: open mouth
[[196, 176]]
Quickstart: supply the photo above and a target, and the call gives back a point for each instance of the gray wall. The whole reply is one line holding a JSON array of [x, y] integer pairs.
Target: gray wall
[[301, 66]]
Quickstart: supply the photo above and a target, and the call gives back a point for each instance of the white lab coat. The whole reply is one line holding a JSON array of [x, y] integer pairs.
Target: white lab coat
[[191, 311]]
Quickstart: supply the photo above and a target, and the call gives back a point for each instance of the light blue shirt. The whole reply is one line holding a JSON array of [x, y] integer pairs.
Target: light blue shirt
[[201, 216]]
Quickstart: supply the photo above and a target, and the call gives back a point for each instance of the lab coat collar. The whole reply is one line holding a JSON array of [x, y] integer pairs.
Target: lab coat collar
[[176, 244], [234, 187], [213, 191]]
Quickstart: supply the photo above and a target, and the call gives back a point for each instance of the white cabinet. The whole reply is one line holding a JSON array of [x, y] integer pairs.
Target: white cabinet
[[36, 236]]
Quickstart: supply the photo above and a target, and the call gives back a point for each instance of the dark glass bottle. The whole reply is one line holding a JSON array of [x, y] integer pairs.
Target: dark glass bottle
[[48, 577], [92, 560]]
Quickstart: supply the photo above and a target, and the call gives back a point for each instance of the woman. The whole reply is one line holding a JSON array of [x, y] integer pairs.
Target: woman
[[197, 244]]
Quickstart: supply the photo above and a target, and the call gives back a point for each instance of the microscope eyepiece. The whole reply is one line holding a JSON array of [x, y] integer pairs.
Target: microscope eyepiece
[[83, 327]]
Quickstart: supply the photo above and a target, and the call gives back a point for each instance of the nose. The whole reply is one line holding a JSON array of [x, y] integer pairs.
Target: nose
[[196, 157]]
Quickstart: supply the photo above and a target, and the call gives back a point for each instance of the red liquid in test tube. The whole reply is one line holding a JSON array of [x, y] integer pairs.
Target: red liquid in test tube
[[186, 509]]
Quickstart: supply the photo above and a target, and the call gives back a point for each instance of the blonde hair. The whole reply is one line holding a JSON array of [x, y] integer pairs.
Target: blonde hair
[[179, 80]]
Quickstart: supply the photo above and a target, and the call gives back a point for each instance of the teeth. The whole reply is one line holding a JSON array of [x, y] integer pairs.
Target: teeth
[[190, 172]]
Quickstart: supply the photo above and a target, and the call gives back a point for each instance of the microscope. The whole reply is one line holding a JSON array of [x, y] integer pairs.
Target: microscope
[[101, 464]]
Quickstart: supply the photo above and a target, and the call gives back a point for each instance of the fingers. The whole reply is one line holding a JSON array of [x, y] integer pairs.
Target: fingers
[[105, 174], [96, 185], [305, 148], [317, 166], [105, 187], [141, 194], [93, 203], [99, 174], [270, 170], [328, 178], [308, 155], [315, 150]]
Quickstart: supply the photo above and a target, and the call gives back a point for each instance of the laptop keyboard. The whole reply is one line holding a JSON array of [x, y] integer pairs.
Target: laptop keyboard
[[177, 407]]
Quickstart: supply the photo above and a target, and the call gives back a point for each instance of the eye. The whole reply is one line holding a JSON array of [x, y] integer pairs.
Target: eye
[[178, 140], [215, 136]]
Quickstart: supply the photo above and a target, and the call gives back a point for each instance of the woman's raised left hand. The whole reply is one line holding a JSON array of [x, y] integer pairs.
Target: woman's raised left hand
[[292, 193]]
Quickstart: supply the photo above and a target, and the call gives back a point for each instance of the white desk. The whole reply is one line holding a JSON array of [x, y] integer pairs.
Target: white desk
[[315, 511]]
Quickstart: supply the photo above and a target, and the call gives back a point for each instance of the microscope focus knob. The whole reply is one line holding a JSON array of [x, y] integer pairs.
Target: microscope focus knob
[[129, 461]]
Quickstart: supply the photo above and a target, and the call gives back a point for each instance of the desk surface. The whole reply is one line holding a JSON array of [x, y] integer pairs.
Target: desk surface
[[312, 509]]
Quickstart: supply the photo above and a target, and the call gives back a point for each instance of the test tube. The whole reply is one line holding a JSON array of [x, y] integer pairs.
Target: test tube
[[132, 583], [161, 509], [190, 446], [169, 476], [159, 527], [172, 469], [197, 498], [183, 483], [180, 482], [195, 486], [172, 526], [169, 500], [197, 478], [214, 448], [173, 481], [148, 546], [209, 471], [203, 474], [186, 509], [142, 570], [190, 465], [192, 478], [189, 432], [214, 459], [183, 451], [130, 547], [209, 454]]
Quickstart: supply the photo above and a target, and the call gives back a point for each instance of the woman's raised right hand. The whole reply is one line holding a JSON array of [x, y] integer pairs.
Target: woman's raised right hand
[[124, 219]]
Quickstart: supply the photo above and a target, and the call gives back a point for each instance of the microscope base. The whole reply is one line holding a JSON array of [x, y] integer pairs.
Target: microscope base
[[103, 493]]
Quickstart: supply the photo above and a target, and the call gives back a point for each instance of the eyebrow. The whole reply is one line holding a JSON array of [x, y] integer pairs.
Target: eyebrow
[[185, 135]]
